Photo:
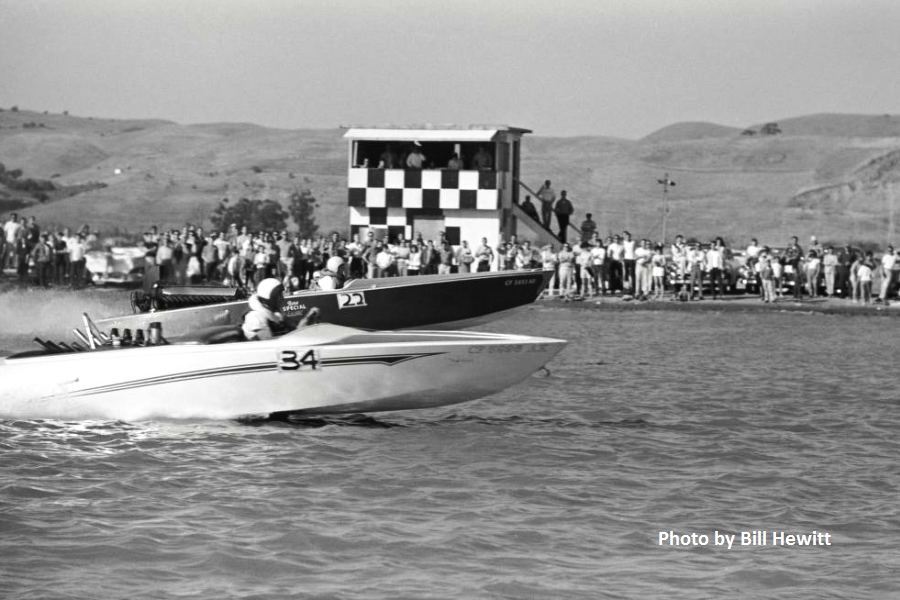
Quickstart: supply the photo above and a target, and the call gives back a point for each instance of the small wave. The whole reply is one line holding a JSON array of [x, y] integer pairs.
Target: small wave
[[315, 422]]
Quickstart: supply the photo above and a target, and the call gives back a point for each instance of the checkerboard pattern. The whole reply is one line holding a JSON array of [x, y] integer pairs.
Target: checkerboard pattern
[[426, 189]]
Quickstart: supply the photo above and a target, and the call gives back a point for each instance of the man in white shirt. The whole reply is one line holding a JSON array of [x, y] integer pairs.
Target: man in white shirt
[[614, 252], [643, 270], [11, 230], [696, 260], [415, 159], [547, 197], [598, 267], [888, 262], [679, 259], [628, 246], [484, 256], [715, 264], [77, 249]]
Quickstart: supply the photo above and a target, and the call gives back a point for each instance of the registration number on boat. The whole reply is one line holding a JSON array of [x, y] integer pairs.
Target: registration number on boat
[[291, 360], [351, 299]]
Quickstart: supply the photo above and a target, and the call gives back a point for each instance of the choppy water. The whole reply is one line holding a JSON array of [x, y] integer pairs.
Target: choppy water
[[557, 488]]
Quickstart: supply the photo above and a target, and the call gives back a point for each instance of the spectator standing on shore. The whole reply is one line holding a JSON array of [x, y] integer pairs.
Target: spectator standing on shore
[[549, 262], [715, 262], [658, 262], [445, 265], [586, 271], [766, 276], [829, 268], [385, 262], [369, 253], [864, 273], [599, 267], [628, 246], [777, 263], [42, 255], [696, 260], [643, 270], [260, 263], [465, 257], [855, 290], [164, 255], [485, 256], [842, 273], [210, 256], [430, 259], [679, 258], [815, 246], [615, 253], [415, 260], [563, 210], [888, 262], [401, 254], [32, 233], [752, 257], [811, 268], [77, 249], [60, 257], [566, 260], [547, 197], [793, 255], [11, 232]]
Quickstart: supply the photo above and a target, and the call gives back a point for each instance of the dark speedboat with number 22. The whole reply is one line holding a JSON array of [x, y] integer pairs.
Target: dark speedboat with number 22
[[434, 301]]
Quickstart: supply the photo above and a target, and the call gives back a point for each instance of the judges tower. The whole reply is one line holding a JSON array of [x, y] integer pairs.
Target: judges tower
[[465, 183]]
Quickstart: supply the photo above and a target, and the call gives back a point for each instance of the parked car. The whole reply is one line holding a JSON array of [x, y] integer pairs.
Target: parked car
[[116, 264]]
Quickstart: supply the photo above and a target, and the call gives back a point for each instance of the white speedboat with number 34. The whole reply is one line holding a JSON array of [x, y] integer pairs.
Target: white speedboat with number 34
[[317, 369]]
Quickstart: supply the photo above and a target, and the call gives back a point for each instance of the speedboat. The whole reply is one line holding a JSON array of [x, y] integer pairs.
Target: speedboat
[[423, 301], [313, 370]]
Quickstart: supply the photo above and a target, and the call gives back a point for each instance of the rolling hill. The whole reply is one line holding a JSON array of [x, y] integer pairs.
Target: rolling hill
[[835, 176]]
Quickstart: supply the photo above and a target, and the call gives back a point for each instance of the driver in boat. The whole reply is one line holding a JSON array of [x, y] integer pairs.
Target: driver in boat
[[265, 316], [331, 277]]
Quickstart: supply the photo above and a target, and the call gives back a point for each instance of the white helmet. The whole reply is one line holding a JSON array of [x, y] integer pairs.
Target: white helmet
[[334, 263], [270, 290]]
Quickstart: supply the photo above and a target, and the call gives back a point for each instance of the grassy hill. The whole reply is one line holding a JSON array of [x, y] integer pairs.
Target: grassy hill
[[834, 176]]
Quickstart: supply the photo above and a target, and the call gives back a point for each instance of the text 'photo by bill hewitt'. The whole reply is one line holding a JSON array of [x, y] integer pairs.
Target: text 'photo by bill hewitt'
[[411, 300]]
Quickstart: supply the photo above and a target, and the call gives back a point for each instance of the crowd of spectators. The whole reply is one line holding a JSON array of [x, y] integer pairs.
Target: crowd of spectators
[[45, 256], [614, 265]]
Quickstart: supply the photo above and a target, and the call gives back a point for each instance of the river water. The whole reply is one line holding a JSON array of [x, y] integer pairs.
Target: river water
[[648, 422]]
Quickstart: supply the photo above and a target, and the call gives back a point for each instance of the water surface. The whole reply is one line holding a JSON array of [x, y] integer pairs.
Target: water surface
[[556, 488]]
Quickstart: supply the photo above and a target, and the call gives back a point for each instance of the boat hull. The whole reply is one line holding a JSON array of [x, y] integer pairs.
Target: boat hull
[[323, 369], [445, 301]]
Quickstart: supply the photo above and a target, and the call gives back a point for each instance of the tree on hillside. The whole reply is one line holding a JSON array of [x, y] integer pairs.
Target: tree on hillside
[[770, 129], [256, 215], [302, 208]]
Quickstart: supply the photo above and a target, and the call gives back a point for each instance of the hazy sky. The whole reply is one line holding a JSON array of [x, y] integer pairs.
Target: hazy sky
[[621, 68]]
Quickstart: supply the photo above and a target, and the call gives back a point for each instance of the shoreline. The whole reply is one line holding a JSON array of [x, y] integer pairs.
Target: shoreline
[[737, 303]]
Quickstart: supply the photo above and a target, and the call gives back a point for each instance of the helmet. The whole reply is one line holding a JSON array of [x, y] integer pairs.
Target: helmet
[[334, 263], [270, 293]]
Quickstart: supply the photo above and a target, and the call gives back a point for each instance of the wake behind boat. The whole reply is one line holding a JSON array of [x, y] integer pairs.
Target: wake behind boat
[[443, 301], [317, 369]]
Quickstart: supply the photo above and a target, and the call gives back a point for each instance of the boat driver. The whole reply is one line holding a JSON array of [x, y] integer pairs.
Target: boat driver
[[332, 276], [265, 317]]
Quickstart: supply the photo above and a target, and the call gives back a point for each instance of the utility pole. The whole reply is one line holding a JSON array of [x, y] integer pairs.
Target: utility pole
[[666, 183], [889, 190]]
